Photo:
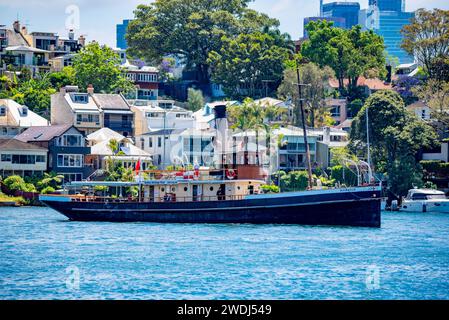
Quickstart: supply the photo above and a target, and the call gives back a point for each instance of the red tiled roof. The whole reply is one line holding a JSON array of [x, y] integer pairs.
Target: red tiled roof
[[372, 84]]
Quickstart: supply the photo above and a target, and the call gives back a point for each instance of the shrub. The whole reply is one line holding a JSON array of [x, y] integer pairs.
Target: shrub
[[47, 190], [270, 189], [15, 183], [435, 168], [343, 175]]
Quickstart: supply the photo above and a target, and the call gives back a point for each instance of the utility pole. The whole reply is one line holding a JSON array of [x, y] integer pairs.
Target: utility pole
[[304, 126], [368, 145]]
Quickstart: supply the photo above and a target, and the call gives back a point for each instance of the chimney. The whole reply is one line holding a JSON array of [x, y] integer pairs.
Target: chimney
[[82, 40], [63, 90], [90, 89], [71, 34], [16, 26]]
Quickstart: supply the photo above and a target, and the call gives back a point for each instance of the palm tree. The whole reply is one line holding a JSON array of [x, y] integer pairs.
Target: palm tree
[[241, 118]]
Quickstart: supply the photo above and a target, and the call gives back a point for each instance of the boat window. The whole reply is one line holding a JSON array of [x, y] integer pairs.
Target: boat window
[[436, 197], [419, 196]]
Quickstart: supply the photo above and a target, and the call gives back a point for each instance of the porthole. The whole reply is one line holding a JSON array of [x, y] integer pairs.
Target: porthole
[[211, 188], [173, 189], [185, 188], [162, 189], [238, 187]]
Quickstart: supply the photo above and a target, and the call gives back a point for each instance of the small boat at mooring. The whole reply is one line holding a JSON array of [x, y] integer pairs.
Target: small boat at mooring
[[206, 198], [425, 200]]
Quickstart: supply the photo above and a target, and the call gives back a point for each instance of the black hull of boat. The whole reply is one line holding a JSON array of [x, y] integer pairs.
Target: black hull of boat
[[345, 210]]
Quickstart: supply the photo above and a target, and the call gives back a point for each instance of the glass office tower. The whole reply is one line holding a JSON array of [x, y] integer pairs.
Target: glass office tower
[[121, 34], [387, 18], [389, 5], [347, 10]]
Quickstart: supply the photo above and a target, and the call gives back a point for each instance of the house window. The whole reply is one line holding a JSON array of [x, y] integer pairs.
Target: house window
[[2, 111], [23, 159], [150, 142], [423, 114], [71, 140], [40, 159], [335, 111], [69, 177], [80, 98], [6, 158], [70, 160], [159, 142]]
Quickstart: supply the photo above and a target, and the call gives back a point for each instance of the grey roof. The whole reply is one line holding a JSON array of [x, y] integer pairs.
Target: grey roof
[[14, 144], [164, 132], [43, 133], [16, 39], [111, 101]]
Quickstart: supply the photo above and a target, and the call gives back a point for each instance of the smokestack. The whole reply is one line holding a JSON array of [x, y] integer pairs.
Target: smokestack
[[221, 122]]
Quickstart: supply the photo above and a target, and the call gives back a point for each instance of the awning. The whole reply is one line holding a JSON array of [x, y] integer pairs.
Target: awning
[[117, 112]]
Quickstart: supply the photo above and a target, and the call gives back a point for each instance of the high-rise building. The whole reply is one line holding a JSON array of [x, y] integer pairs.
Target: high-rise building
[[121, 34], [389, 5], [387, 18], [347, 10]]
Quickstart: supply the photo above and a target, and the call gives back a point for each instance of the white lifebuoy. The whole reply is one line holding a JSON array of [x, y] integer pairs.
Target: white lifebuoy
[[230, 174]]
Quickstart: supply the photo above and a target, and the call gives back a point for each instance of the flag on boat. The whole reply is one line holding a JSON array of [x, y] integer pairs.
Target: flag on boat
[[138, 165]]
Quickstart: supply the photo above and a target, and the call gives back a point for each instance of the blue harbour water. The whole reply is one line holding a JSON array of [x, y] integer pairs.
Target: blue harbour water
[[43, 256]]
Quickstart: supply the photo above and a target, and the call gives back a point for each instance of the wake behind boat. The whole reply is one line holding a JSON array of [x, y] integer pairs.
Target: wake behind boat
[[214, 199]]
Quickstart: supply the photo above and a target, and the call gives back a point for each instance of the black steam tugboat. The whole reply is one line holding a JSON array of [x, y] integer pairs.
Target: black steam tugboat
[[217, 196], [203, 200]]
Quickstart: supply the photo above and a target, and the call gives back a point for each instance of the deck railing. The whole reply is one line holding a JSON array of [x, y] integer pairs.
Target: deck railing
[[164, 199]]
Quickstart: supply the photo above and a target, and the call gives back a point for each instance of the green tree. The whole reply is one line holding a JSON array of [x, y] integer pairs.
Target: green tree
[[63, 78], [100, 66], [244, 62], [34, 93], [241, 119], [435, 94], [195, 99], [350, 53], [426, 38], [191, 30], [396, 136], [318, 79]]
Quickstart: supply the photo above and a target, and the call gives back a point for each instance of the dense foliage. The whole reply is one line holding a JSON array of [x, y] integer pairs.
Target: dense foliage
[[192, 30], [350, 53], [100, 66], [396, 136], [426, 38]]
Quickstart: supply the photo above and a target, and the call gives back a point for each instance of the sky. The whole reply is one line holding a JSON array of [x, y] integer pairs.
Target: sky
[[97, 19]]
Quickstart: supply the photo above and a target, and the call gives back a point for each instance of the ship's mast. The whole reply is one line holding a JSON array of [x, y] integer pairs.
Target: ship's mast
[[304, 125]]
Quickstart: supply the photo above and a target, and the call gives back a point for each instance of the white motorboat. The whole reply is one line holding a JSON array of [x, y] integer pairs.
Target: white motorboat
[[425, 200]]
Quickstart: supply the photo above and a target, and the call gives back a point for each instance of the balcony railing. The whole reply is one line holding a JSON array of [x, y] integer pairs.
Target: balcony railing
[[119, 124]]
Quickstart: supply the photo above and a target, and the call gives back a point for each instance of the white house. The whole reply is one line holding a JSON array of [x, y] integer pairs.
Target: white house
[[16, 118]]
